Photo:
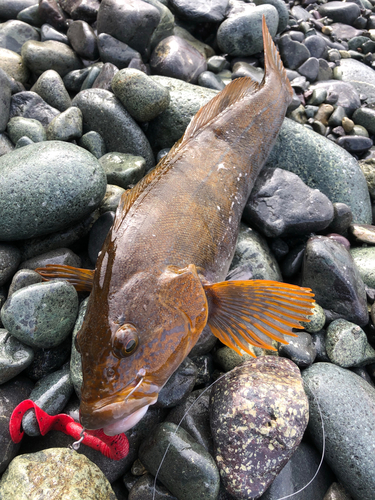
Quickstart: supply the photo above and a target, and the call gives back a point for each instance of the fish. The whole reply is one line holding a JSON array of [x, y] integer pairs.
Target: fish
[[160, 276]]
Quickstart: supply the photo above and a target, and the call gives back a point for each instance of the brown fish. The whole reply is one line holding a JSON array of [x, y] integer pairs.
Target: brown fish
[[158, 279]]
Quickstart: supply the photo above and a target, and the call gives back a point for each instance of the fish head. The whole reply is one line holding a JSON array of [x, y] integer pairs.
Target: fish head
[[132, 340]]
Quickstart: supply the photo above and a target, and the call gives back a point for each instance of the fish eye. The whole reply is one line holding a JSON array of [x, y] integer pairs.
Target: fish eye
[[125, 341]]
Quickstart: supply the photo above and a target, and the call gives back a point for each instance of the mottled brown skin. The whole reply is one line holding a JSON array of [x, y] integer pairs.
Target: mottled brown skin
[[180, 230]]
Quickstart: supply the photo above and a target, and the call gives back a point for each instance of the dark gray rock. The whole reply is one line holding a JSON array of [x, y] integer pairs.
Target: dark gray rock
[[85, 10], [348, 96], [50, 12], [200, 11], [299, 349], [179, 385], [5, 95], [360, 76], [123, 169], [292, 53], [74, 79], [18, 127], [347, 405], [30, 209], [330, 272], [340, 12], [47, 361], [317, 46], [282, 11], [60, 256], [104, 113], [10, 8], [355, 144], [14, 356], [188, 471], [83, 40], [22, 278], [30, 15], [66, 126], [10, 257], [210, 80], [13, 64], [319, 341], [93, 142], [115, 52], [99, 233], [281, 204], [51, 89], [364, 261], [366, 118], [30, 105], [104, 78], [144, 488], [310, 69], [292, 263], [258, 415], [13, 34], [47, 32]]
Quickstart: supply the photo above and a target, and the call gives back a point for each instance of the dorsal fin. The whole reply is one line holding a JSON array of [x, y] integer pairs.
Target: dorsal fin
[[272, 60]]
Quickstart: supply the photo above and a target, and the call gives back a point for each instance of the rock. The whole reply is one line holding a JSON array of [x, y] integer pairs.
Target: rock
[[241, 34], [360, 76], [317, 46], [144, 488], [60, 256], [9, 9], [86, 10], [41, 315], [115, 52], [141, 96], [123, 169], [31, 105], [293, 53], [104, 113], [364, 261], [176, 58], [200, 11], [111, 198], [66, 126], [22, 278], [363, 232], [10, 257], [340, 12], [78, 477], [281, 204], [210, 80], [281, 10], [14, 356], [28, 207], [347, 406], [348, 97], [342, 219], [105, 76], [205, 50], [98, 234], [93, 142], [51, 88], [366, 118], [47, 361], [317, 320], [13, 64], [258, 415], [336, 492], [75, 358], [347, 345], [50, 12], [5, 95], [300, 350], [322, 165], [326, 262], [18, 127], [83, 40], [179, 385], [310, 69], [30, 15], [13, 34], [47, 32], [355, 144], [188, 471], [42, 56], [252, 249]]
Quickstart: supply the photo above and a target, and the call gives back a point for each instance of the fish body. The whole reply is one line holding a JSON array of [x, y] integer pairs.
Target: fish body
[[159, 276]]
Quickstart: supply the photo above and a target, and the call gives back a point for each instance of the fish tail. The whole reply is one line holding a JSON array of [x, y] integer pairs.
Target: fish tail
[[272, 62]]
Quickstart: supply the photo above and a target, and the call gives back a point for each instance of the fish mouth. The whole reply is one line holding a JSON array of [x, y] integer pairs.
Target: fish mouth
[[120, 412]]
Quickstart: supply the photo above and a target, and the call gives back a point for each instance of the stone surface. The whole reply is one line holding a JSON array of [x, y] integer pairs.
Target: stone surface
[[364, 261], [51, 89], [123, 169], [18, 127], [10, 257], [179, 385], [299, 349], [30, 105], [317, 320], [258, 415], [14, 65], [13, 34], [14, 356], [360, 76], [347, 404], [200, 11], [348, 97], [83, 40], [98, 234], [66, 126], [5, 95], [31, 208], [115, 52]]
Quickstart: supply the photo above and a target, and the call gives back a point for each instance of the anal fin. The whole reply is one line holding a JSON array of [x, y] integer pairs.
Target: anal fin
[[253, 311], [81, 279]]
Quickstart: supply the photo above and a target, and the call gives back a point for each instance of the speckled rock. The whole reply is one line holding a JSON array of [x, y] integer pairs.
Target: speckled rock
[[111, 198], [361, 76], [66, 126], [143, 98], [123, 169], [340, 12], [60, 256], [51, 88], [13, 64], [347, 404], [300, 350], [258, 415], [22, 278], [365, 263], [347, 345], [93, 142], [56, 472], [322, 165], [348, 97], [188, 471], [75, 358], [10, 257], [30, 209], [179, 385], [317, 320], [41, 315], [5, 95], [30, 105], [13, 34], [104, 113], [14, 356], [115, 52], [336, 492], [25, 127]]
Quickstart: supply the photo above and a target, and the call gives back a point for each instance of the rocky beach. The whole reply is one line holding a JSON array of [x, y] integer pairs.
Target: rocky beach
[[92, 95]]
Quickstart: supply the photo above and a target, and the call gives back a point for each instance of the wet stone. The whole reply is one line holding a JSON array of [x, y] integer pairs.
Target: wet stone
[[75, 358], [200, 11], [317, 320], [326, 262], [281, 204], [292, 263], [66, 126], [347, 405], [340, 12], [41, 315], [363, 232], [60, 256], [188, 471], [22, 278], [86, 10], [98, 234], [14, 356], [318, 97], [76, 473], [319, 342], [347, 345], [310, 69], [51, 12], [94, 143], [30, 105], [299, 349], [51, 393], [10, 257], [348, 96], [48, 32], [316, 45], [111, 198], [74, 79], [19, 126], [355, 144], [13, 34], [105, 76], [5, 95], [13, 64], [51, 89], [141, 96], [179, 385], [293, 53], [113, 51], [366, 118], [92, 75], [210, 80], [143, 489], [216, 64], [364, 261], [336, 492], [258, 415], [10, 8], [360, 76], [47, 361], [342, 218], [123, 169], [83, 40], [355, 129], [30, 15]]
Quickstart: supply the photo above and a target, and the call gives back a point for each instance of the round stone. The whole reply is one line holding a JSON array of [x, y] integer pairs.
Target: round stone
[[14, 356], [13, 34], [51, 89], [20, 127], [13, 64], [10, 257], [123, 169], [66, 126]]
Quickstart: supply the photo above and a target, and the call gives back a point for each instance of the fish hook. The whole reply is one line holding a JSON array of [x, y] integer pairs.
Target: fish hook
[[76, 445]]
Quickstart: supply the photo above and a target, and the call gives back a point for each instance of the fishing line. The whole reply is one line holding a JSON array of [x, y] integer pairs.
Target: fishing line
[[208, 388]]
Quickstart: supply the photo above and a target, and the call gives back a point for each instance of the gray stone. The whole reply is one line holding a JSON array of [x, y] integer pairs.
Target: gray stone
[[98, 234], [322, 165], [66, 126], [115, 52], [51, 89], [364, 261], [310, 69], [340, 12], [6, 145], [144, 488], [10, 8], [326, 262], [92, 76], [31, 105], [317, 46], [93, 142], [104, 78], [13, 34], [300, 350], [47, 361], [5, 95], [348, 97], [74, 79], [75, 358], [347, 406], [317, 320], [201, 47], [87, 10], [47, 32], [347, 345], [22, 278], [200, 11], [210, 80], [19, 126], [258, 414], [51, 13], [360, 76], [366, 118], [141, 96], [78, 477], [356, 144], [281, 10], [30, 15], [10, 257], [104, 113], [14, 356], [241, 34], [41, 315], [14, 65], [336, 492], [59, 256], [123, 169], [188, 471], [292, 53], [83, 40], [42, 56], [179, 385], [23, 141], [30, 208], [111, 198]]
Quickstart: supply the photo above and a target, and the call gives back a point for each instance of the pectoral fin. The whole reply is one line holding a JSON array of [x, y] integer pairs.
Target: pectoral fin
[[81, 279], [242, 312]]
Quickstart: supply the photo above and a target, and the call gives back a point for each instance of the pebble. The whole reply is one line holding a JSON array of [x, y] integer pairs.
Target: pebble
[[22, 278], [5, 95], [94, 143], [300, 350], [13, 34], [293, 53], [281, 205], [14, 356], [336, 492], [75, 359], [24, 214], [98, 234], [87, 10], [83, 40], [366, 118], [348, 97], [141, 96], [310, 69], [9, 9], [47, 361], [363, 232], [326, 262], [123, 169], [356, 144], [47, 32], [78, 477], [111, 198], [51, 89], [188, 470], [61, 256], [104, 113], [347, 405], [115, 52], [210, 80], [41, 315], [179, 385], [347, 345], [18, 127], [364, 261], [200, 11], [50, 12], [66, 126], [360, 76], [10, 257], [14, 65], [105, 76], [30, 105], [253, 440], [317, 320]]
